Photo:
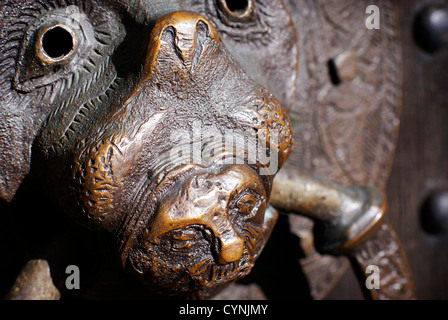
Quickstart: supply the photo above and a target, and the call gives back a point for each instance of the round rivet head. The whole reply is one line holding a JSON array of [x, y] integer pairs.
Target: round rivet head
[[431, 28], [434, 212]]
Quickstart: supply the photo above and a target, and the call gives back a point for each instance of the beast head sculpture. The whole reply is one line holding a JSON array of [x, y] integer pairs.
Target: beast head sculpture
[[145, 126]]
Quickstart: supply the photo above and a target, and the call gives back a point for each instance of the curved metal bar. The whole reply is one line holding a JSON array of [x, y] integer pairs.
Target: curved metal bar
[[349, 221]]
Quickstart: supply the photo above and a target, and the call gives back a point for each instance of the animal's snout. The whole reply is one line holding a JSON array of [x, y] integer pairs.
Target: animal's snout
[[181, 173]]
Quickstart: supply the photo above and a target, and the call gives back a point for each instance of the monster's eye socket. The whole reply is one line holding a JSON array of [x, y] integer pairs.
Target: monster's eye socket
[[238, 10], [56, 44]]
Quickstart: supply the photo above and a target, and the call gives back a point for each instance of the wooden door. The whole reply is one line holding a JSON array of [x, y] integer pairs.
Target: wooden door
[[420, 166]]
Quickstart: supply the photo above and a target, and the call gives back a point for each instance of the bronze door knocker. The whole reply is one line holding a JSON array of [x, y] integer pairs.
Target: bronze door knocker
[[169, 137]]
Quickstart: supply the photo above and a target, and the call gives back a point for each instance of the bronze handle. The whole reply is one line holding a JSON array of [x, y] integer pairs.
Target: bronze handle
[[384, 250], [349, 221]]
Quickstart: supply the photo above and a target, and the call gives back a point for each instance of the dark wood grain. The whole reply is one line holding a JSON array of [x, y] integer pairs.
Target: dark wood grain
[[420, 163]]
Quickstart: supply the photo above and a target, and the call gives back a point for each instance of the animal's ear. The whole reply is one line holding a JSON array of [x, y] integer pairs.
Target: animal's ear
[[15, 124], [15, 152], [21, 114], [54, 57]]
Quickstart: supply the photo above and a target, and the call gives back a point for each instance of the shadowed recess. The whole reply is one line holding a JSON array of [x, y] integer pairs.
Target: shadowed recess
[[237, 6], [57, 42]]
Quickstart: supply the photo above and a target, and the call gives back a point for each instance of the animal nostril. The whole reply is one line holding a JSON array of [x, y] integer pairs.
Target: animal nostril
[[187, 41], [168, 34], [202, 29]]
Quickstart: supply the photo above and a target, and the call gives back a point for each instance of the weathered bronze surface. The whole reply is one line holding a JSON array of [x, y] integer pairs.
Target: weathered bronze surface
[[34, 283], [128, 106]]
